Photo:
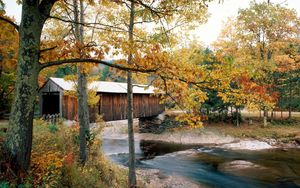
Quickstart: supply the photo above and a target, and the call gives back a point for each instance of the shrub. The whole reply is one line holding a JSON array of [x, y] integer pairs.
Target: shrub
[[52, 127], [55, 163]]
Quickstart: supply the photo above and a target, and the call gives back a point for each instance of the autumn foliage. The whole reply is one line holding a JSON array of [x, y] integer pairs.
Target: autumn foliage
[[55, 163]]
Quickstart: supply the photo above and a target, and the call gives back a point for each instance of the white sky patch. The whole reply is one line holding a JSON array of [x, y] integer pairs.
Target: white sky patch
[[219, 14], [13, 9], [207, 33]]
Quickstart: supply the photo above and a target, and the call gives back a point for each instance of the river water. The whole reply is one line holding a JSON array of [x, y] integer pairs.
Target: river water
[[214, 167]]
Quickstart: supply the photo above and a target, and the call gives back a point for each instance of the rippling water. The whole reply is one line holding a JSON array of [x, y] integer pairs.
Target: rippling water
[[215, 167]]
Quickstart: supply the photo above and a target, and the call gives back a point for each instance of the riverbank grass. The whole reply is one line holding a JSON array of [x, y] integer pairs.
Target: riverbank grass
[[280, 130]]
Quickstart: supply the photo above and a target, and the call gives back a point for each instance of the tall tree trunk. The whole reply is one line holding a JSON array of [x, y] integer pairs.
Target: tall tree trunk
[[272, 115], [237, 116], [132, 174], [290, 100], [83, 114], [259, 113], [82, 97], [18, 142], [265, 118]]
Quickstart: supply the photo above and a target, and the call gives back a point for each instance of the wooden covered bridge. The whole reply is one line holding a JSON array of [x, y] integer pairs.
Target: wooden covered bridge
[[112, 104]]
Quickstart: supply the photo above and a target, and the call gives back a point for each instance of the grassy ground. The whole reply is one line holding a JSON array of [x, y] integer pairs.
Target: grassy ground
[[276, 114], [281, 130]]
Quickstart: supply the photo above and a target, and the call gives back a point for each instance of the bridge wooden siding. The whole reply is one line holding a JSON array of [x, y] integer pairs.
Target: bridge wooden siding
[[112, 105]]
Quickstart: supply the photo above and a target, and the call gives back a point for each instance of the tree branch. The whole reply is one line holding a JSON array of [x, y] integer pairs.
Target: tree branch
[[70, 61], [10, 22], [47, 49], [89, 24], [172, 98]]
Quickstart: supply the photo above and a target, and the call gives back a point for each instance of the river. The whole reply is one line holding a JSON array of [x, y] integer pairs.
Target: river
[[212, 166]]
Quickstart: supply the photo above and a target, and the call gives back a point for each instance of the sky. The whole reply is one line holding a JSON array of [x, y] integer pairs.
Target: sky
[[207, 33]]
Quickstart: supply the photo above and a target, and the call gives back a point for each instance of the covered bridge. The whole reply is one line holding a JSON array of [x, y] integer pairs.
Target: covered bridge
[[112, 103]]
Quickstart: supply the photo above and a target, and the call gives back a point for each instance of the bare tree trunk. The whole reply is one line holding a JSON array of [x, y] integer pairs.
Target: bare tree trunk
[[83, 108], [265, 118], [132, 174], [290, 100], [237, 116], [18, 142], [259, 113], [272, 115]]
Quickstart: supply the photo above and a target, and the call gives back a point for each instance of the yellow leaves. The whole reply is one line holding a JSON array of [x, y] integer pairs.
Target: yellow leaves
[[9, 42], [257, 42], [93, 98], [287, 63], [258, 35], [46, 168], [50, 153], [192, 121], [58, 164]]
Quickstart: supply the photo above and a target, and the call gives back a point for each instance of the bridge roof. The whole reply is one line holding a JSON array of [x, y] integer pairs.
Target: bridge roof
[[104, 86]]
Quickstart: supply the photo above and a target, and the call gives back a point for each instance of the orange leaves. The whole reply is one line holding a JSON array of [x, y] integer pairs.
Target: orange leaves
[[190, 120], [287, 63], [246, 92], [69, 159], [53, 50], [251, 88], [52, 152], [62, 49], [9, 41], [262, 40], [46, 159], [46, 167]]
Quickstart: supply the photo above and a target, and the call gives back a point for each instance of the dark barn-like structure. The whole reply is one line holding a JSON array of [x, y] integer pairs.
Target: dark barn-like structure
[[112, 103]]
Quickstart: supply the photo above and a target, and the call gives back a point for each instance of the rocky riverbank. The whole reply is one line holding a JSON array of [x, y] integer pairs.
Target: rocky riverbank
[[153, 178]]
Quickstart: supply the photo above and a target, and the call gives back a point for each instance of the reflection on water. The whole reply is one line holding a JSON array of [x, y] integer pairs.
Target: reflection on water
[[215, 167], [150, 149]]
